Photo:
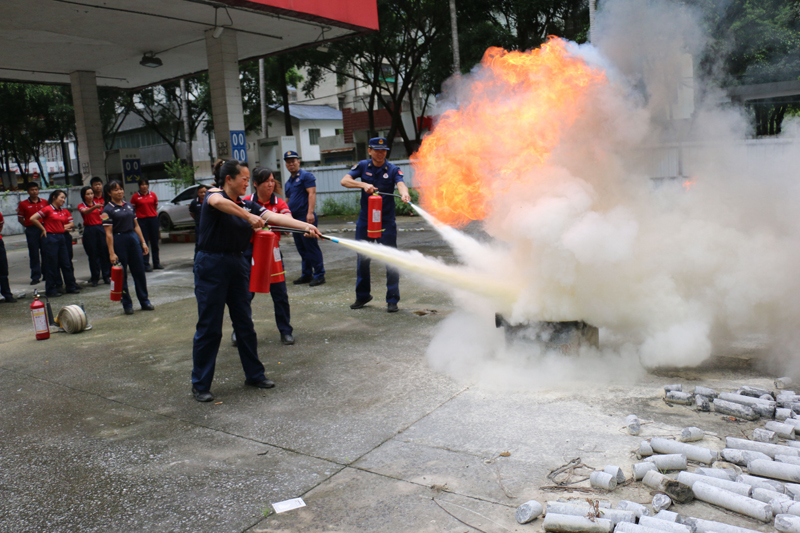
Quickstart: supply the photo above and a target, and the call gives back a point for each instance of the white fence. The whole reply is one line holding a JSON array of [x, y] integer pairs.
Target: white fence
[[328, 186]]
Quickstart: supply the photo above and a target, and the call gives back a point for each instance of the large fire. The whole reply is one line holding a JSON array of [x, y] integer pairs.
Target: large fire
[[519, 105]]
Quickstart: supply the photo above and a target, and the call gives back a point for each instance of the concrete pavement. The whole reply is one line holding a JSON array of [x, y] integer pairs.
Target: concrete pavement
[[99, 431]]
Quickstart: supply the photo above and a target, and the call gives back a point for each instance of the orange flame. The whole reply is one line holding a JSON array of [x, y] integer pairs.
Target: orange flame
[[518, 106], [688, 184]]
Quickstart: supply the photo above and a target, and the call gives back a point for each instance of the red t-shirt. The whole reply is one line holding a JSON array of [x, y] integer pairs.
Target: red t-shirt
[[1, 225], [146, 206], [54, 219], [26, 209], [276, 205], [93, 218]]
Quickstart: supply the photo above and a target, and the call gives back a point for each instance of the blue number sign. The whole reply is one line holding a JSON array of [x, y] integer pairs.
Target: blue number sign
[[131, 170], [238, 146]]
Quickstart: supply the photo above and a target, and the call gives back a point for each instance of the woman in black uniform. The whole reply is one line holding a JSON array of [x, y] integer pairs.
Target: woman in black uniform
[[222, 275], [126, 243]]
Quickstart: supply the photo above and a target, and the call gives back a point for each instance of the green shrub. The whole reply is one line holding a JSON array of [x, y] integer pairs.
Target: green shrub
[[341, 205]]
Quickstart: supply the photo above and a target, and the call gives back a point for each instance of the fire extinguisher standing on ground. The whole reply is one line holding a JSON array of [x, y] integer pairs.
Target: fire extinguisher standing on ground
[[39, 316], [116, 283], [374, 210]]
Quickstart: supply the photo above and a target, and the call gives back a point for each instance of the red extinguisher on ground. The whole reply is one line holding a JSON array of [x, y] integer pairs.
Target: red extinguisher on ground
[[116, 283], [374, 210], [39, 315], [263, 260]]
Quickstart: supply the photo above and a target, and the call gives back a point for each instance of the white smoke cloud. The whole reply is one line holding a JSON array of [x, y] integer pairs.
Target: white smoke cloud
[[672, 273]]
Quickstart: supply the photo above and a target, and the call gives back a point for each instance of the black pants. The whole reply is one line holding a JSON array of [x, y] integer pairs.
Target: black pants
[[34, 237], [57, 263], [129, 251], [94, 242], [5, 288], [151, 234]]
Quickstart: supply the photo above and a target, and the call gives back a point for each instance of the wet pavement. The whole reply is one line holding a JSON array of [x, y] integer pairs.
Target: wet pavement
[[99, 431]]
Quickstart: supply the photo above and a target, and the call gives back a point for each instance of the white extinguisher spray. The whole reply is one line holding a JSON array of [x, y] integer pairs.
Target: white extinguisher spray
[[39, 315]]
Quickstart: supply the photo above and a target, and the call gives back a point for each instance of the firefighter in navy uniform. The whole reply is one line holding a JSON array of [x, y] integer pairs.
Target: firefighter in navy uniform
[[222, 275], [125, 242], [377, 174]]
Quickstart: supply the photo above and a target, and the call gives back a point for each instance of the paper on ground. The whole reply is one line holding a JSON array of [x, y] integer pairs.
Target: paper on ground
[[288, 505]]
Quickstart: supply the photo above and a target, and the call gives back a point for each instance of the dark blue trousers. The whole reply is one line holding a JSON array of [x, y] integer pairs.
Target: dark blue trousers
[[129, 251], [34, 237], [388, 238], [219, 280], [310, 254], [57, 263], [94, 242], [280, 300], [152, 235], [5, 288]]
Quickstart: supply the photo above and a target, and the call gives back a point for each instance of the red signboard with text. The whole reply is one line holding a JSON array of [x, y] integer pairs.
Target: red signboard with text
[[354, 13]]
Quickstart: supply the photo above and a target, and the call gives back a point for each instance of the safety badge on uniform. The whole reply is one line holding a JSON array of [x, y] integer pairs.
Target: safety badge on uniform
[[104, 216], [386, 176], [354, 167]]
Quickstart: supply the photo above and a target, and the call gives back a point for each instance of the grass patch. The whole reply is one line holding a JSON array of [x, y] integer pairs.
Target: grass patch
[[341, 205]]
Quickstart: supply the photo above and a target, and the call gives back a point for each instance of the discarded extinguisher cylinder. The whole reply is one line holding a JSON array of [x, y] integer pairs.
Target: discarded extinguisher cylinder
[[733, 502], [562, 523], [691, 451], [763, 447], [374, 213], [39, 316], [263, 260], [116, 283]]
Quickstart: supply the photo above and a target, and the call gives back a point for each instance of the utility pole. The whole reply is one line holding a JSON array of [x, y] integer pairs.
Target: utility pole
[[262, 91], [187, 132], [454, 30]]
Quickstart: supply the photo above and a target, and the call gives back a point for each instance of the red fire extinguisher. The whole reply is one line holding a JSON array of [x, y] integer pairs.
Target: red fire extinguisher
[[39, 316], [263, 259], [374, 209], [116, 283]]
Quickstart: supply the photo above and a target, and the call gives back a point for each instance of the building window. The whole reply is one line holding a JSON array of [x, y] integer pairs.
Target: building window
[[313, 136], [339, 131]]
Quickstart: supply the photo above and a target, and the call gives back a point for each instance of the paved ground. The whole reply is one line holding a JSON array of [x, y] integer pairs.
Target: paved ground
[[99, 431]]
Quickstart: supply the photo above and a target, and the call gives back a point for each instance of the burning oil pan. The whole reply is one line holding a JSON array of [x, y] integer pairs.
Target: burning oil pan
[[564, 337]]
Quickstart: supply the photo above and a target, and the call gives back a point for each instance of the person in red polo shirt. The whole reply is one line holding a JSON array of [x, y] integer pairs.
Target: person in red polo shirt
[[94, 237], [266, 196], [56, 221], [146, 204], [25, 210], [5, 288]]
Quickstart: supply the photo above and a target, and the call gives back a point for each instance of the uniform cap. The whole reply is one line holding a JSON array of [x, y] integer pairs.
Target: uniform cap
[[291, 154], [378, 143]]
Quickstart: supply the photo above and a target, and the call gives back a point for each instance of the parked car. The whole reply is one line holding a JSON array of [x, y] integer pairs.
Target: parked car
[[175, 212]]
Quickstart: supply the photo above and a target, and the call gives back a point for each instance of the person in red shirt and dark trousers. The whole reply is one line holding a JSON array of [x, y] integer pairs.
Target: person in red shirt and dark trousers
[[56, 221], [266, 196], [5, 288], [146, 204], [94, 237], [25, 210]]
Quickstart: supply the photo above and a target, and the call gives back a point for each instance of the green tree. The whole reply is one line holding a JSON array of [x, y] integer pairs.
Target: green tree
[[754, 42]]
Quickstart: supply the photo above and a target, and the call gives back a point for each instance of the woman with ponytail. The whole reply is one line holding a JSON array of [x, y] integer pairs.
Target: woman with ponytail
[[222, 275]]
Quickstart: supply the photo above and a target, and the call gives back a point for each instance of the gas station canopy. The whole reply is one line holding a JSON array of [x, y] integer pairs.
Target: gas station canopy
[[46, 40]]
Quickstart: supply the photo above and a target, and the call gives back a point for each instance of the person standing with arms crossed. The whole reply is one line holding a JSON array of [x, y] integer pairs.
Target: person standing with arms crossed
[[301, 195], [146, 204], [25, 210], [94, 237], [222, 276], [377, 175], [53, 221]]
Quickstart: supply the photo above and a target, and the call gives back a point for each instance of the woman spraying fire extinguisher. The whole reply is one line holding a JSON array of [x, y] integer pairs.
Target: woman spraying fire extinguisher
[[126, 244], [222, 275]]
